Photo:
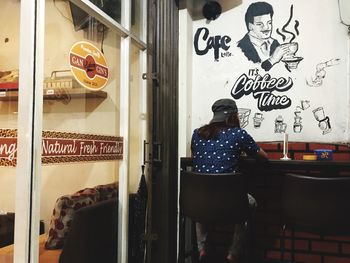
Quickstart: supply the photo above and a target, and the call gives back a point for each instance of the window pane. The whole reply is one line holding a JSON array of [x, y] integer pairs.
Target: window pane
[[110, 7], [137, 120], [9, 65], [80, 129], [136, 17]]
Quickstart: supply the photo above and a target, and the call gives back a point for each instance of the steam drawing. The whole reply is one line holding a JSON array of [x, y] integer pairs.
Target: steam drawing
[[284, 28], [290, 59]]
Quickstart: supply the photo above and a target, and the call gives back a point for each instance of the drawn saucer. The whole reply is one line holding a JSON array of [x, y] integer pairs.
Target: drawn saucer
[[292, 62]]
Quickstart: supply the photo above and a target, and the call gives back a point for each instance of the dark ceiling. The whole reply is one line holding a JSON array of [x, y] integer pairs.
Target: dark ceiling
[[195, 7]]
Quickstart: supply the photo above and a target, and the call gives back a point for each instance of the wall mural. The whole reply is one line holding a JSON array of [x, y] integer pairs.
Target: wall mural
[[258, 45], [211, 42], [266, 68], [258, 119], [243, 115], [297, 126], [320, 73], [323, 121], [261, 87], [280, 125]]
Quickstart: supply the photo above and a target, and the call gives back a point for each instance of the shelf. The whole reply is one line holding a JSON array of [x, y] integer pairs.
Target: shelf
[[58, 94]]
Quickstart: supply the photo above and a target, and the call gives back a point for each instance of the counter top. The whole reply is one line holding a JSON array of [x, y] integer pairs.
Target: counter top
[[325, 167]]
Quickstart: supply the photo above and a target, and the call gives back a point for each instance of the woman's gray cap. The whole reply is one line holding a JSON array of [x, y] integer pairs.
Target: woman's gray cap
[[222, 109]]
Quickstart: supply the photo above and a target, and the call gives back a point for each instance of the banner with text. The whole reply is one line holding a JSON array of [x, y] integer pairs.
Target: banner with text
[[63, 147]]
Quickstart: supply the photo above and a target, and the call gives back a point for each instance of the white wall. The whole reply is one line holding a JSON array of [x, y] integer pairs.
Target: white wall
[[185, 81], [321, 38]]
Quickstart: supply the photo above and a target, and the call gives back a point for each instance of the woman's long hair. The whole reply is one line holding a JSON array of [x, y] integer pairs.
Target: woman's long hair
[[211, 130]]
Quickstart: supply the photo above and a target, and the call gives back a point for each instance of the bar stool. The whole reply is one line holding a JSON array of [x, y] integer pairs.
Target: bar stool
[[210, 199], [317, 205]]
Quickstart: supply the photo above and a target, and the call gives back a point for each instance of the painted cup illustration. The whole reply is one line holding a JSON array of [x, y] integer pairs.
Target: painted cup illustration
[[305, 104], [319, 113], [297, 127], [293, 48], [257, 119], [323, 121], [280, 126], [290, 59]]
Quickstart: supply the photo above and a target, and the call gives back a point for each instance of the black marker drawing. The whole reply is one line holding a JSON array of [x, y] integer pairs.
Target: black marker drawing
[[203, 43], [280, 126], [290, 60], [257, 120], [297, 126], [243, 115], [261, 88], [258, 45], [323, 121], [304, 104], [320, 73]]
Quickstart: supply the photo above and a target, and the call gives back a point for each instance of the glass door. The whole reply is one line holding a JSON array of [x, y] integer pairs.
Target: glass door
[[81, 126], [9, 77], [82, 143]]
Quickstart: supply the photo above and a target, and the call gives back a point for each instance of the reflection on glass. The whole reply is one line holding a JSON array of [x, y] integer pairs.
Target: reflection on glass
[[78, 121], [9, 65], [81, 19], [136, 119], [136, 17], [110, 7]]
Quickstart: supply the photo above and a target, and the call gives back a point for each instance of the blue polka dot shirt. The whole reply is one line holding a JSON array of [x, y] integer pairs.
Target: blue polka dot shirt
[[221, 155]]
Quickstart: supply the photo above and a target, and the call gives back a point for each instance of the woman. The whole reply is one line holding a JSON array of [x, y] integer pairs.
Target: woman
[[216, 148]]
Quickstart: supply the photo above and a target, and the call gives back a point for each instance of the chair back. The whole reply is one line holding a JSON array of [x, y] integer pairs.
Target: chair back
[[317, 204], [214, 198]]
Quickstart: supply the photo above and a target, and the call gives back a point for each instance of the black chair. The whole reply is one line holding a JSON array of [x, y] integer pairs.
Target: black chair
[[317, 205], [210, 199], [93, 234]]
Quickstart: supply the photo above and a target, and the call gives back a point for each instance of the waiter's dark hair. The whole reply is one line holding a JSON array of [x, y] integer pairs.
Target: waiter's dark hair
[[257, 9], [211, 130]]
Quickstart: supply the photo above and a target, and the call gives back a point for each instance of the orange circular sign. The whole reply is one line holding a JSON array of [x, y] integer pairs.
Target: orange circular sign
[[88, 65]]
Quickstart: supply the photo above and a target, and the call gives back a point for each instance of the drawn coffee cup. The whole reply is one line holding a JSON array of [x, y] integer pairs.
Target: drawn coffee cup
[[258, 118], [292, 49], [319, 113], [289, 58]]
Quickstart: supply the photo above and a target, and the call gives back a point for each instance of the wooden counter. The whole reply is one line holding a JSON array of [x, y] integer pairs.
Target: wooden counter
[[322, 168]]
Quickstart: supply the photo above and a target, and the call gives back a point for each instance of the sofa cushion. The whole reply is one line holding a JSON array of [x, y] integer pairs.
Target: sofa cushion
[[7, 228], [107, 191], [63, 214]]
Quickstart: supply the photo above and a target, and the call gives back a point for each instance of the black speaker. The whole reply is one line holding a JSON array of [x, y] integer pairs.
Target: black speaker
[[211, 10]]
